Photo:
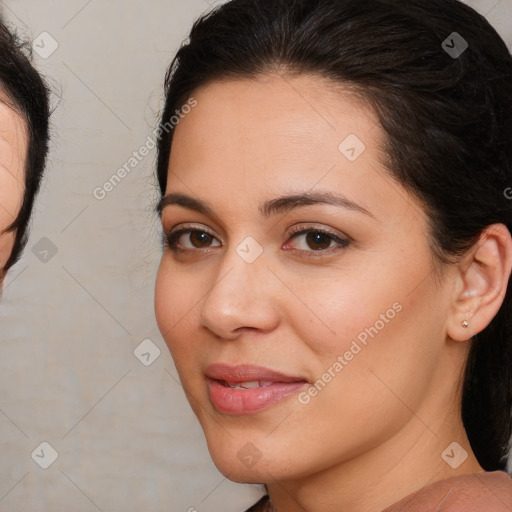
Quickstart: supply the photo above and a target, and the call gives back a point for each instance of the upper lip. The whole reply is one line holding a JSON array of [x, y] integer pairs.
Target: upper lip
[[247, 373]]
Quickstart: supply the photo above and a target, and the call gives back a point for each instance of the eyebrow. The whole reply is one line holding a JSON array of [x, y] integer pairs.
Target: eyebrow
[[268, 208]]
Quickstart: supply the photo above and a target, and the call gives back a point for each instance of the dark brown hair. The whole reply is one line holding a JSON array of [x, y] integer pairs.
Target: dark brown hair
[[447, 119]]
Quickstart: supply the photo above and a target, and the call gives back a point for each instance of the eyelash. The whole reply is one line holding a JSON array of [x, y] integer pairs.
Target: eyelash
[[171, 239]]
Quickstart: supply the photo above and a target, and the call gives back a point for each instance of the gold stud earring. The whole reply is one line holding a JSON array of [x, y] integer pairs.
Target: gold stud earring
[[465, 324]]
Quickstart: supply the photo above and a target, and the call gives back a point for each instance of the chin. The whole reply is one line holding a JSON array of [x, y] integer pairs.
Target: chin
[[248, 465], [239, 460], [234, 470]]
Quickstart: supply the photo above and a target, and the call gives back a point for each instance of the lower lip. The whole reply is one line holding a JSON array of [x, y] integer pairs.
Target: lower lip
[[246, 401]]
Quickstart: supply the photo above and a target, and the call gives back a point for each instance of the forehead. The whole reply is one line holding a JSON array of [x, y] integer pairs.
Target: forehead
[[279, 102], [274, 132], [274, 122]]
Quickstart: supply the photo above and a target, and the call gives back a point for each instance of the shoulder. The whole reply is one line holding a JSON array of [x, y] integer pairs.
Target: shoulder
[[475, 492], [262, 506]]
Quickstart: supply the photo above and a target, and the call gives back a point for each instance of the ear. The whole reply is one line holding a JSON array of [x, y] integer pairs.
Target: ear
[[481, 283]]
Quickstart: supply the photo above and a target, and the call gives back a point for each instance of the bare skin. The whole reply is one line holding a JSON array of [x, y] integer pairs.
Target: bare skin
[[376, 431], [13, 149]]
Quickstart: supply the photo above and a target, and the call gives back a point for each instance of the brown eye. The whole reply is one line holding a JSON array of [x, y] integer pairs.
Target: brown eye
[[198, 238], [317, 240], [314, 242], [189, 239]]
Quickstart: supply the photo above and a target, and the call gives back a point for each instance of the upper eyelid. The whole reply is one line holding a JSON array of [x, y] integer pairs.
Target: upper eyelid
[[304, 227], [191, 227]]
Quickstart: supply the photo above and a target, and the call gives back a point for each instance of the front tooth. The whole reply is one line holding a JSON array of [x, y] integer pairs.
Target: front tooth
[[250, 384]]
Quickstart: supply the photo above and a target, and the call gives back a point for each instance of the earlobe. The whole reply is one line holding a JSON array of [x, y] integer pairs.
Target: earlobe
[[482, 281]]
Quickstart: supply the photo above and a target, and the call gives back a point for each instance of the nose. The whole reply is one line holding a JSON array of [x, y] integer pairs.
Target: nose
[[243, 296]]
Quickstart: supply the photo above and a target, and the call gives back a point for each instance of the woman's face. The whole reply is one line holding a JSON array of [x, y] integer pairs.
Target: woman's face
[[305, 332], [13, 148]]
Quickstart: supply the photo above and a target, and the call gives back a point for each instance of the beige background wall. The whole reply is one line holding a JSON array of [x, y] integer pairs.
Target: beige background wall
[[80, 301]]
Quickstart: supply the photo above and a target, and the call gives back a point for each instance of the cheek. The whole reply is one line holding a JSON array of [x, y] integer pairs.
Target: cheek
[[354, 302], [177, 295], [163, 299], [374, 333], [384, 352]]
